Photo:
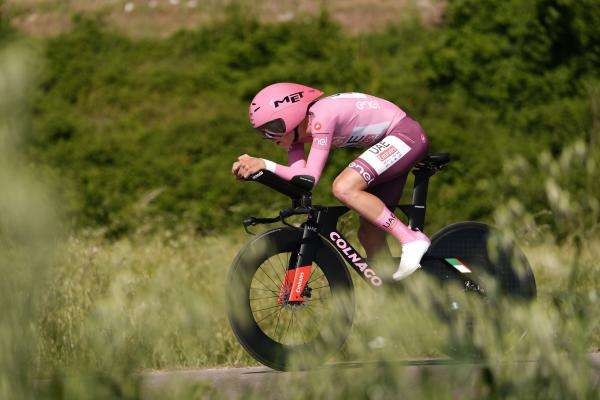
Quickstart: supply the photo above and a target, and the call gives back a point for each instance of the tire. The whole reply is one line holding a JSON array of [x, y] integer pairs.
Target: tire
[[327, 319], [498, 268], [487, 253]]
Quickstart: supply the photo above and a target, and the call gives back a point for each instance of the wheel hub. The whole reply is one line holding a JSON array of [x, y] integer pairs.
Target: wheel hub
[[284, 298]]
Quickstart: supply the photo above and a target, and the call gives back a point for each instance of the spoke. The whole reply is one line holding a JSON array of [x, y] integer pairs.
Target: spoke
[[318, 305], [290, 323], [265, 286], [266, 316], [283, 324], [320, 287], [317, 299], [322, 296], [301, 327], [274, 270], [264, 290], [267, 308], [309, 309], [313, 317], [269, 276], [314, 278], [310, 328], [277, 322], [284, 265], [262, 298], [318, 273]]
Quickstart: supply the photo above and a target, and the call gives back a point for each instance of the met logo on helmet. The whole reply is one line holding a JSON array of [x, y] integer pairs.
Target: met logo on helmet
[[290, 98]]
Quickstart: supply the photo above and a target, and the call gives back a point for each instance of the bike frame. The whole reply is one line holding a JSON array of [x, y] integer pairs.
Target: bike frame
[[322, 222]]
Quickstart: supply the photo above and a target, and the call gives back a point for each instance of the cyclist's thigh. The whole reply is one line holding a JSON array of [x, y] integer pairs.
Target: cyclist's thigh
[[389, 191], [385, 165]]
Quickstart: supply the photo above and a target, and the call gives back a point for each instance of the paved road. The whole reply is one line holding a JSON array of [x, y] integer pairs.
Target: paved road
[[232, 382]]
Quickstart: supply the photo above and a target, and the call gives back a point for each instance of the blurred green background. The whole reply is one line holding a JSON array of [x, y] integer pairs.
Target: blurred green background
[[144, 130], [119, 121]]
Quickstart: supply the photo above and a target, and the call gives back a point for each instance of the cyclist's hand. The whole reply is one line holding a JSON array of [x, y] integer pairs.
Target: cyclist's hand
[[235, 170], [246, 166]]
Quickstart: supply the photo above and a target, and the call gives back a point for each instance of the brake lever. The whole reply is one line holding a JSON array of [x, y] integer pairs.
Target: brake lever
[[288, 212], [250, 221]]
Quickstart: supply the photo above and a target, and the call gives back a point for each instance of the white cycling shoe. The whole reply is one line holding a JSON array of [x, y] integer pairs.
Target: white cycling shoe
[[412, 252]]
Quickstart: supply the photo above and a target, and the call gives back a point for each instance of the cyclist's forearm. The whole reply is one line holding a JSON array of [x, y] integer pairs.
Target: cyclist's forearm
[[313, 166], [288, 173]]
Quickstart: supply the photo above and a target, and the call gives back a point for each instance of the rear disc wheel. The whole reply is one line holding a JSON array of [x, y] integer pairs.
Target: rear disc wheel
[[485, 253], [486, 264]]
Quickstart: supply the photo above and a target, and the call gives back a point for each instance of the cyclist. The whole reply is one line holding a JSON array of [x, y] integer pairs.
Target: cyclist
[[292, 115]]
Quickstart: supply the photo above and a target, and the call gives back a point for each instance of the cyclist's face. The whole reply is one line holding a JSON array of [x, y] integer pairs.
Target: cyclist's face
[[286, 140]]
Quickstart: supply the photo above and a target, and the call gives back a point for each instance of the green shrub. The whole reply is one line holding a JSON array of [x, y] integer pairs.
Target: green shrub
[[144, 132]]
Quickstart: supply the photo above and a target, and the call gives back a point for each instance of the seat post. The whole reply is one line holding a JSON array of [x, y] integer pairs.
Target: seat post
[[419, 201], [422, 171]]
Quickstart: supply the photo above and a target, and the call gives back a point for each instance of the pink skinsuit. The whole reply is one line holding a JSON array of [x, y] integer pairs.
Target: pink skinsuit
[[395, 142]]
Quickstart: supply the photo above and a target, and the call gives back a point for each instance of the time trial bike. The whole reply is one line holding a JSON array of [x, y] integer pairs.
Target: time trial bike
[[290, 293]]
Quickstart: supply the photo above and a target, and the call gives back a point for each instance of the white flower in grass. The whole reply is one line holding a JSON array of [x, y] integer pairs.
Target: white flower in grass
[[174, 2], [152, 3], [285, 17], [129, 7], [377, 343]]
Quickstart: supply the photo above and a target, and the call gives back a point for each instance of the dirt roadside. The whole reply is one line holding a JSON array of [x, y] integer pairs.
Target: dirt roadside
[[267, 383], [152, 18]]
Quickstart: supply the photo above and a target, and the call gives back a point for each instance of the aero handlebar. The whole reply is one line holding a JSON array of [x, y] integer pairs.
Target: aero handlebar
[[296, 188]]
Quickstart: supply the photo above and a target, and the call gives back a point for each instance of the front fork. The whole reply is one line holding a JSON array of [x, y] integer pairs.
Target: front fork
[[293, 288]]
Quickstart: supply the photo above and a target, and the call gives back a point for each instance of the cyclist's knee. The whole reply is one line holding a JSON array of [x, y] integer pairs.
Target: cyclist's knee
[[343, 190]]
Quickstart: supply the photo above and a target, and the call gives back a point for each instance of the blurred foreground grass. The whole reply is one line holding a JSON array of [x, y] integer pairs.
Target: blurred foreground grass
[[27, 231], [163, 297], [157, 302]]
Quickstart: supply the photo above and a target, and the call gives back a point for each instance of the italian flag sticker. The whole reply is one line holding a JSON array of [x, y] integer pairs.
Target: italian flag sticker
[[459, 265]]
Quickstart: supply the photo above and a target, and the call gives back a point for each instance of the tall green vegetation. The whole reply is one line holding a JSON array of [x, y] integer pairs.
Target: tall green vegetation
[[27, 231], [5, 29], [145, 131]]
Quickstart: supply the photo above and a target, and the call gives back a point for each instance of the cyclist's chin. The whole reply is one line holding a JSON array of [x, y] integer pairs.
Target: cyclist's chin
[[284, 143]]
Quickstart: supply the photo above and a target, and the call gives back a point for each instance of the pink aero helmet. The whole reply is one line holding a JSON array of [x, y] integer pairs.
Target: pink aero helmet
[[279, 108]]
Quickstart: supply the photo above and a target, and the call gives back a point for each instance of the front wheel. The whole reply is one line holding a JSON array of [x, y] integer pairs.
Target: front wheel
[[288, 335]]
